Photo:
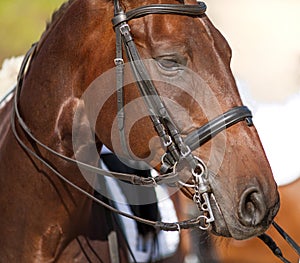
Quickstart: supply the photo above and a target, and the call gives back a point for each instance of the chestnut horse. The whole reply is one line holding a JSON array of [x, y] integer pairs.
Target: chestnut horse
[[65, 107]]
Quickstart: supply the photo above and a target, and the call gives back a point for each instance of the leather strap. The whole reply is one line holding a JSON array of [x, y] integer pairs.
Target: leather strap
[[206, 132], [187, 10], [287, 238], [163, 123], [193, 140]]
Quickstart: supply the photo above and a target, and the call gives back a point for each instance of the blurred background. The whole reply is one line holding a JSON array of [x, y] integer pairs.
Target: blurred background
[[264, 36], [22, 23]]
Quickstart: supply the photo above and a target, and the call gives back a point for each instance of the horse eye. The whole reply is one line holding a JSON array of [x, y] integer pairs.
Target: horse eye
[[169, 64]]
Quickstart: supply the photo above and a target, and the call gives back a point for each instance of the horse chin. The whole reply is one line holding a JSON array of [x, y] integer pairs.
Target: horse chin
[[219, 226], [229, 227]]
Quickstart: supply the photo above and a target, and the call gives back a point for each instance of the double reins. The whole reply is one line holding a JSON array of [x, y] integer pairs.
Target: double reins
[[177, 147], [271, 244], [169, 179]]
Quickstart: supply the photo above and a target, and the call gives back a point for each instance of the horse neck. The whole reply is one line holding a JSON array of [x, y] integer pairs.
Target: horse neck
[[66, 61], [69, 57]]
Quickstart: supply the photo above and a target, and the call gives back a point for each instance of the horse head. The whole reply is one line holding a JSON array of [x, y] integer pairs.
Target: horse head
[[176, 79], [188, 62]]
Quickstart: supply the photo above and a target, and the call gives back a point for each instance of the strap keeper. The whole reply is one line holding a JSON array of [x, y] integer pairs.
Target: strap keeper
[[118, 19]]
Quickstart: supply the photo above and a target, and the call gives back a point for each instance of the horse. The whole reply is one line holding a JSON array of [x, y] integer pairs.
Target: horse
[[76, 92]]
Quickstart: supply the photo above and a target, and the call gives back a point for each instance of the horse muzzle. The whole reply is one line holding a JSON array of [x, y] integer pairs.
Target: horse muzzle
[[250, 217]]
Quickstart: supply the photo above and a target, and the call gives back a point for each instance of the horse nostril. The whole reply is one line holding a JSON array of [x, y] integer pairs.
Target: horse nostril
[[252, 207]]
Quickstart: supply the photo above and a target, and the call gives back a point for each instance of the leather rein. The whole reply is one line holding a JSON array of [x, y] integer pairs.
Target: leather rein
[[178, 149]]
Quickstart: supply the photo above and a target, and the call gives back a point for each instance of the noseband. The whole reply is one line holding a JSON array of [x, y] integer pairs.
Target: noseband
[[177, 148]]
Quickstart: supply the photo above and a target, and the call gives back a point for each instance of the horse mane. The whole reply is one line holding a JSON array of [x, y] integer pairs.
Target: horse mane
[[57, 14]]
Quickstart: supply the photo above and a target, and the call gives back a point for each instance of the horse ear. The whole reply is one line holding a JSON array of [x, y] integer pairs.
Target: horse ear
[[72, 120]]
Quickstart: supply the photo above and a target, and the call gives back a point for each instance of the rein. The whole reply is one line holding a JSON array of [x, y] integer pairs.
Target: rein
[[178, 149], [273, 246], [170, 178]]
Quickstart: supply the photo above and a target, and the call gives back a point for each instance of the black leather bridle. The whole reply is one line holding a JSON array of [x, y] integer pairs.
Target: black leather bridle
[[178, 149]]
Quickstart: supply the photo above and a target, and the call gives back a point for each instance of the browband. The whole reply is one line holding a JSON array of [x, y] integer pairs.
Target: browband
[[187, 10]]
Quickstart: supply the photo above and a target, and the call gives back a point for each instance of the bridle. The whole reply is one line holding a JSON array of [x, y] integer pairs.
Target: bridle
[[177, 148]]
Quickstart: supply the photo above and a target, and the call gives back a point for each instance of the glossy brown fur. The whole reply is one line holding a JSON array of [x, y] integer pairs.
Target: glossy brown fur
[[42, 217]]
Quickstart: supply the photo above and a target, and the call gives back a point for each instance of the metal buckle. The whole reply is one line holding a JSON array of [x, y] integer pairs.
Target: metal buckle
[[168, 141], [124, 29], [118, 61], [185, 153], [153, 179]]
